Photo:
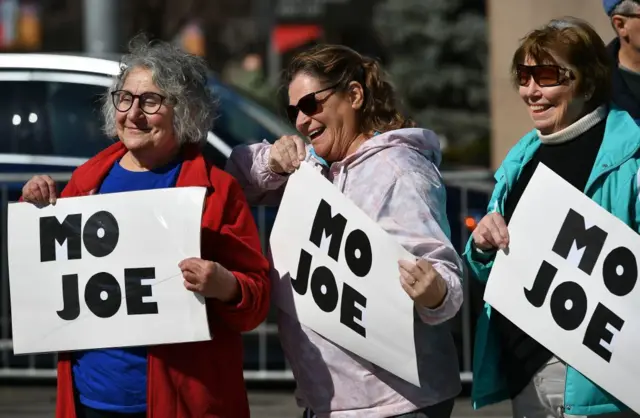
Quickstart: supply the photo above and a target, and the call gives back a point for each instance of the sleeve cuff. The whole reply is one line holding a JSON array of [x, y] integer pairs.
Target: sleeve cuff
[[270, 176], [482, 256]]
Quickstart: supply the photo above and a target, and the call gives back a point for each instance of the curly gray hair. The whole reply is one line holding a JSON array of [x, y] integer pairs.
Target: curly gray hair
[[181, 76]]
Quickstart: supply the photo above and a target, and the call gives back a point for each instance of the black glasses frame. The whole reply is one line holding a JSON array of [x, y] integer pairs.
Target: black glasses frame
[[309, 109], [140, 98]]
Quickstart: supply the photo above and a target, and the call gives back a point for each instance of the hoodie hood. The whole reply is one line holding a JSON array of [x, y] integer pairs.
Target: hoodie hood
[[424, 141]]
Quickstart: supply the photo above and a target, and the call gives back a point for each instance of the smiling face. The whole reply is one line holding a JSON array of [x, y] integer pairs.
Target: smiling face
[[552, 108], [333, 128], [139, 131]]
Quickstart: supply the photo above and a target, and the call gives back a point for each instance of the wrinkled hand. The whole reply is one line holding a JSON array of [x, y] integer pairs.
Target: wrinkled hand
[[210, 279], [286, 153], [491, 233], [40, 190], [422, 283]]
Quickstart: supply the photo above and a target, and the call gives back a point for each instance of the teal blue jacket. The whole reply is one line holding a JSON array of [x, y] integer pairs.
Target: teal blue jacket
[[613, 184]]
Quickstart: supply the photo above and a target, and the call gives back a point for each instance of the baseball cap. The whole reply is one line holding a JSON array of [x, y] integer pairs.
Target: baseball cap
[[609, 5]]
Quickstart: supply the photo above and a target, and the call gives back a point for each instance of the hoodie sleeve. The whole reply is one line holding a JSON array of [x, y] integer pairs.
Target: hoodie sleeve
[[249, 164], [413, 211]]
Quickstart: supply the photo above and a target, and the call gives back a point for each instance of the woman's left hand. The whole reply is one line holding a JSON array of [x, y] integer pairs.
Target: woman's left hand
[[210, 279], [422, 283]]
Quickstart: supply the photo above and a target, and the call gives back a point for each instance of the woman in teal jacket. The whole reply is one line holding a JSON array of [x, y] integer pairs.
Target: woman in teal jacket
[[563, 76]]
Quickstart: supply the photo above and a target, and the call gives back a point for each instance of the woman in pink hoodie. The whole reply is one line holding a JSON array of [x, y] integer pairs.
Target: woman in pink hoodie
[[342, 103]]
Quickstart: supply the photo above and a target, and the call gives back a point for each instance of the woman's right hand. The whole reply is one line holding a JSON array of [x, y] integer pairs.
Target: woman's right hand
[[286, 153], [40, 190], [491, 233]]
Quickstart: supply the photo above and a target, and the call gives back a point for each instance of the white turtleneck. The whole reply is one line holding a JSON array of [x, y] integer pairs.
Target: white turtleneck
[[577, 128]]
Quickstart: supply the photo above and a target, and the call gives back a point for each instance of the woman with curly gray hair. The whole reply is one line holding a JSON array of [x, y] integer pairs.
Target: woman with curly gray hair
[[161, 109]]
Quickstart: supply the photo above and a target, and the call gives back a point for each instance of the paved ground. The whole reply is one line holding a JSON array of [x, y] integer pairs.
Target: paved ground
[[38, 402]]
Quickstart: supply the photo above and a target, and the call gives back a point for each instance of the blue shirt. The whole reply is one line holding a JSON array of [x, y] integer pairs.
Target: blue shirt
[[115, 379]]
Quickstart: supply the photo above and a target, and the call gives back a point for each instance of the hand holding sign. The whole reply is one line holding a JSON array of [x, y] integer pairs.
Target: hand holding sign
[[210, 279], [422, 283], [286, 153], [40, 190], [491, 233]]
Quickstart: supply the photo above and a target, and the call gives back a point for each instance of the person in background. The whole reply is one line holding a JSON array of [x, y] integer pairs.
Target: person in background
[[342, 102], [250, 77], [161, 109], [625, 54], [563, 75]]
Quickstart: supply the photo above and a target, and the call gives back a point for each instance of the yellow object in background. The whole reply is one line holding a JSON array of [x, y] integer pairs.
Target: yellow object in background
[[29, 28], [193, 40]]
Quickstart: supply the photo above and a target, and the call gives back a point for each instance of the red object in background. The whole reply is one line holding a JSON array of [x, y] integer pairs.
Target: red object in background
[[470, 223], [287, 37]]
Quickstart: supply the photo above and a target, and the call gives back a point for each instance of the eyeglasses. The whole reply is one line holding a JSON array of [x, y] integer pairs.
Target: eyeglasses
[[149, 102], [308, 104], [543, 75]]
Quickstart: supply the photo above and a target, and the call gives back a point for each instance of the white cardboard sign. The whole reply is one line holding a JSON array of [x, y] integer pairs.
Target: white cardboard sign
[[338, 274], [102, 271], [569, 280]]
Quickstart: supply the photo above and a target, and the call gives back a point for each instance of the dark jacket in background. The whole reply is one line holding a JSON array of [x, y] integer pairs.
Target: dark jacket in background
[[623, 96]]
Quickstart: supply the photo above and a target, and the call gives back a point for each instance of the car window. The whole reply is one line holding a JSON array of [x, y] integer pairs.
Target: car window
[[57, 118], [240, 121], [51, 118]]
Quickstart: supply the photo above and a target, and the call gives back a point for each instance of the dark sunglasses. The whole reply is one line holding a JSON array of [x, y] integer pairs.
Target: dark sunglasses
[[543, 75], [308, 104]]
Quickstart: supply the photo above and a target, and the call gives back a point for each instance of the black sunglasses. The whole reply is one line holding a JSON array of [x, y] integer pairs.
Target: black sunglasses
[[543, 75], [308, 104]]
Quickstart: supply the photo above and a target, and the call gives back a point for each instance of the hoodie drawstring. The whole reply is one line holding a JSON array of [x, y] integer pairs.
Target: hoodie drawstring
[[341, 180]]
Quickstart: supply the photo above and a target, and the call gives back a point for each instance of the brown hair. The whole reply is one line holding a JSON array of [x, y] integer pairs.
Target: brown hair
[[575, 42], [339, 65]]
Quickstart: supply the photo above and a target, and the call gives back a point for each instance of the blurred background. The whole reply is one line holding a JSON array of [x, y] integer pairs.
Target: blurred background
[[448, 59]]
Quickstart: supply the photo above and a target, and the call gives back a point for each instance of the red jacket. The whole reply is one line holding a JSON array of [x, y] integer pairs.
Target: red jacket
[[203, 379]]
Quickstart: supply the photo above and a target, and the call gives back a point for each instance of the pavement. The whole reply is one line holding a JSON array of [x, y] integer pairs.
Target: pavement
[[39, 402]]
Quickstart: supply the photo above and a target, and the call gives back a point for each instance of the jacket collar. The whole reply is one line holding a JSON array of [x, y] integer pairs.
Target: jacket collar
[[623, 97], [614, 48], [89, 176], [621, 142]]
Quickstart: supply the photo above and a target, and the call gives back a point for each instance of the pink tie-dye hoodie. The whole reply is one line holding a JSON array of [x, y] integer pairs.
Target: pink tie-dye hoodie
[[394, 178]]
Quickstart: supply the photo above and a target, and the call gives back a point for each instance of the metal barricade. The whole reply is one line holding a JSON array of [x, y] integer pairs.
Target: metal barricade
[[264, 359]]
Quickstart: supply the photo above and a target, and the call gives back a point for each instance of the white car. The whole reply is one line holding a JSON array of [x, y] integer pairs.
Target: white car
[[50, 118]]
